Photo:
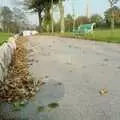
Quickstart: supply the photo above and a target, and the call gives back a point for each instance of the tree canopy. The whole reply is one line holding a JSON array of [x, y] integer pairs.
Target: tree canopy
[[6, 17], [12, 20], [96, 18], [40, 6], [112, 4], [108, 15]]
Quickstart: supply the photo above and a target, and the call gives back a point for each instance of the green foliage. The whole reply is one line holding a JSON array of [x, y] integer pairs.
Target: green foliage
[[81, 20], [112, 36], [0, 29], [19, 105], [20, 20], [68, 23], [13, 20], [57, 27], [47, 19], [40, 6], [96, 19], [108, 16], [3, 37], [103, 35], [113, 2], [6, 17]]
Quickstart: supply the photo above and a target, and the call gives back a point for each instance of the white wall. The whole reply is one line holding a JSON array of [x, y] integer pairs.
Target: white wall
[[6, 53]]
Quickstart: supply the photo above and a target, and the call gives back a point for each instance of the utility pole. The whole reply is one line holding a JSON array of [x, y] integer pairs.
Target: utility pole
[[87, 8], [73, 18], [52, 17], [73, 10]]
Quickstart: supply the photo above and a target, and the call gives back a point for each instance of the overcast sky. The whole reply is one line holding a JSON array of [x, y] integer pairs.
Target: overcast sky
[[96, 6]]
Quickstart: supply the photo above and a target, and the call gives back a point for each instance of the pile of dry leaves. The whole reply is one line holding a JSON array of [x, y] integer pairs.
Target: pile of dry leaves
[[19, 85]]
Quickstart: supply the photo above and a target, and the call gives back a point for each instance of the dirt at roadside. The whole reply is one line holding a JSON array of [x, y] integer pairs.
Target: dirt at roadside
[[19, 85]]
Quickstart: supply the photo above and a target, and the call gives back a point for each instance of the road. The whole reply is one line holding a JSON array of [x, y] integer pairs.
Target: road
[[84, 67]]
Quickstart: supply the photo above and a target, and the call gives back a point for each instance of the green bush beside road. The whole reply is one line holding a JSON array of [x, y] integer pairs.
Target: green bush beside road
[[3, 37]]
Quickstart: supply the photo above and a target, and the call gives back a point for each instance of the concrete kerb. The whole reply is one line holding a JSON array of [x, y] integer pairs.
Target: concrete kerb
[[6, 53]]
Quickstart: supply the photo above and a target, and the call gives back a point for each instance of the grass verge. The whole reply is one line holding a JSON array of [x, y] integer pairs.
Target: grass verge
[[111, 36], [3, 37]]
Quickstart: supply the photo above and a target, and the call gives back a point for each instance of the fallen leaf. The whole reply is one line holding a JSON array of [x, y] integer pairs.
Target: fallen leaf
[[103, 91]]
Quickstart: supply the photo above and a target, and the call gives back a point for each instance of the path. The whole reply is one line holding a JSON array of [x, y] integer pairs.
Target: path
[[84, 67]]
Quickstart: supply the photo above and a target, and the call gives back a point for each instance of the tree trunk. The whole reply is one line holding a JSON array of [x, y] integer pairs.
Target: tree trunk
[[61, 8], [3, 26], [40, 20], [48, 18], [52, 19], [112, 21], [112, 17]]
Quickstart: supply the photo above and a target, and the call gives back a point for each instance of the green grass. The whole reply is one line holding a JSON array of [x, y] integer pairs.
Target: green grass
[[112, 36], [4, 37]]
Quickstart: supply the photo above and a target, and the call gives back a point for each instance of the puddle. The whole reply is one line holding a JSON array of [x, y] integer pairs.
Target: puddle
[[37, 61], [70, 71], [69, 46], [46, 76], [118, 67], [53, 105], [84, 67], [50, 46], [76, 46], [45, 100], [106, 59], [41, 109]]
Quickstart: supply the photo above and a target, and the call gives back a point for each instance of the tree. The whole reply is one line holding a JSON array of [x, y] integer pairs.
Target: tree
[[61, 8], [112, 3], [6, 17], [47, 18], [57, 26], [96, 19], [19, 18], [13, 20], [81, 20], [39, 6], [68, 23], [108, 16]]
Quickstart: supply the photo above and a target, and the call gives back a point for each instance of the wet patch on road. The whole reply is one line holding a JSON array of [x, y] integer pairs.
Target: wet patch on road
[[118, 67], [53, 105], [106, 59], [45, 100]]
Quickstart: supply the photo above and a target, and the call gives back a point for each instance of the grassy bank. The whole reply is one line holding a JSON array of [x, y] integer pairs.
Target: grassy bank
[[4, 37], [98, 35]]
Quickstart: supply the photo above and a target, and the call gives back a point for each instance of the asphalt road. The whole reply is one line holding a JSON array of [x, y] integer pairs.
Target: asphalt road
[[78, 69], [84, 67]]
